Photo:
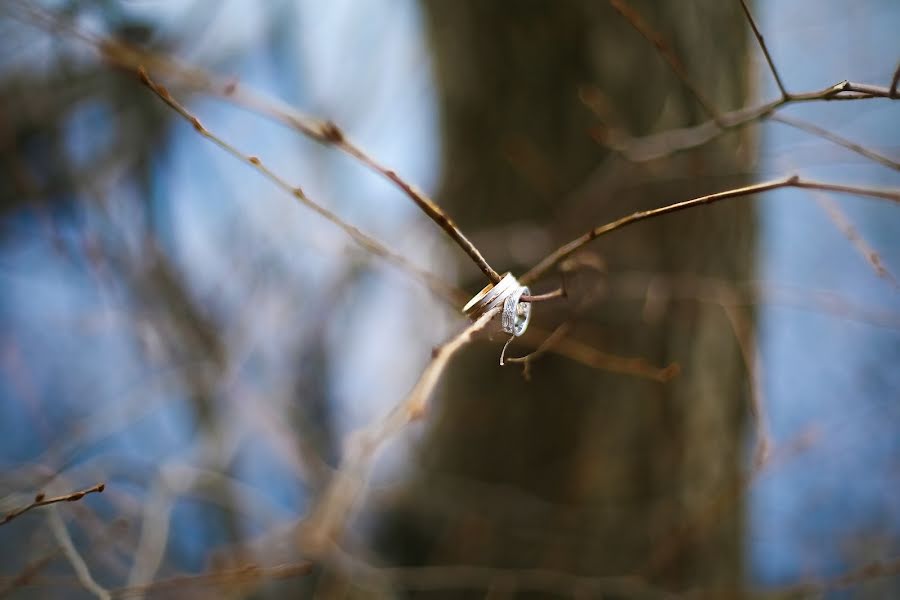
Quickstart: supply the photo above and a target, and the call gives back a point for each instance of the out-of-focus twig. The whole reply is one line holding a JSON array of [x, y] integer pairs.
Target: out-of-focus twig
[[821, 587], [793, 181], [42, 500], [661, 145], [840, 220], [320, 530], [836, 139], [239, 576], [58, 527], [654, 37], [746, 338]]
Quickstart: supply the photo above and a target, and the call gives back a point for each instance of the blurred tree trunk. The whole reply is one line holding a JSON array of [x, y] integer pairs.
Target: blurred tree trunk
[[582, 470]]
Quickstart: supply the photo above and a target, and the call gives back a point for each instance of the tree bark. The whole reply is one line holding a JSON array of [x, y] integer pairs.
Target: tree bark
[[582, 470]]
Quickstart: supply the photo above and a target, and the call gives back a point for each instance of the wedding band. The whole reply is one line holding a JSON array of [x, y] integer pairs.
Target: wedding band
[[516, 315], [490, 296], [506, 293]]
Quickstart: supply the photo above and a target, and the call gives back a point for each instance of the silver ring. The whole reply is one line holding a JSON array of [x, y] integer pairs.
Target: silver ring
[[516, 315], [490, 296]]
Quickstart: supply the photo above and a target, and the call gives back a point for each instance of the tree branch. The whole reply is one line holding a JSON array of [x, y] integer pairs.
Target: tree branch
[[654, 37], [435, 283], [41, 500], [793, 181], [346, 486], [764, 48], [666, 143]]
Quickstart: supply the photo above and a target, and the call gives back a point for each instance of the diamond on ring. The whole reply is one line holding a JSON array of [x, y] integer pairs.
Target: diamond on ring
[[516, 315]]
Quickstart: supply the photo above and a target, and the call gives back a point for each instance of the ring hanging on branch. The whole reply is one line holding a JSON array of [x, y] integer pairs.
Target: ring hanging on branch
[[507, 293]]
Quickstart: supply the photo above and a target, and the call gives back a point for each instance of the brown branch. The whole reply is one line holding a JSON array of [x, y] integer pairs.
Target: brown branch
[[231, 578], [82, 572], [859, 575], [793, 181], [596, 359], [895, 81], [41, 500], [368, 243], [337, 501], [654, 37], [835, 139], [746, 338], [557, 293], [764, 48], [323, 131], [666, 143], [869, 254]]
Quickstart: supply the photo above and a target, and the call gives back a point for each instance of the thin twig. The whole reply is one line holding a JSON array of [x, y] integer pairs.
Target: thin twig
[[895, 81], [366, 242], [41, 500], [557, 293], [835, 139], [744, 334], [817, 589], [80, 567], [344, 490], [323, 131], [226, 577], [793, 181], [654, 37], [869, 254], [764, 48]]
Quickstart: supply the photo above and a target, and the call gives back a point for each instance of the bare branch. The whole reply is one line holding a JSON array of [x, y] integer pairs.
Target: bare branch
[[346, 486], [869, 254], [667, 143], [746, 339], [764, 48], [793, 181], [41, 500], [634, 18], [435, 283], [560, 344], [81, 569], [895, 80], [242, 575], [836, 139], [326, 132]]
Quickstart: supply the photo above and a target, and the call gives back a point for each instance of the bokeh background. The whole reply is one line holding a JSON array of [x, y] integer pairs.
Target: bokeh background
[[177, 327]]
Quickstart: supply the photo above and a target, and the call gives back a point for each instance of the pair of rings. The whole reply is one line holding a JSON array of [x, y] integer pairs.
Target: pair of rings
[[507, 293]]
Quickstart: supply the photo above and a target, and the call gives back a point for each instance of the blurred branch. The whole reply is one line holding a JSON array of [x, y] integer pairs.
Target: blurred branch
[[706, 289], [666, 143], [41, 500], [346, 486], [860, 575], [869, 254], [793, 181], [745, 335], [229, 578], [558, 343], [654, 37], [836, 139], [81, 569]]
